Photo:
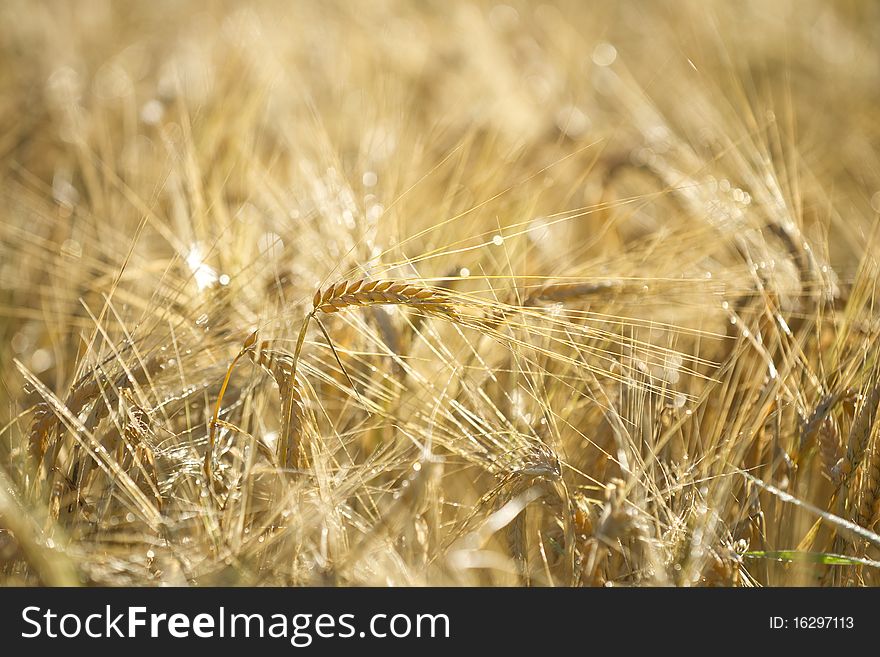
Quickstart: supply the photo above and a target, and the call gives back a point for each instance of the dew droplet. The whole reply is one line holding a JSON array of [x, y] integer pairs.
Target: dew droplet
[[41, 360], [204, 275], [71, 249], [604, 54], [571, 121], [20, 342], [375, 211], [152, 112]]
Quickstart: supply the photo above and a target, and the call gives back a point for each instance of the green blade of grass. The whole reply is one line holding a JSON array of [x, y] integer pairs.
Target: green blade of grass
[[823, 558]]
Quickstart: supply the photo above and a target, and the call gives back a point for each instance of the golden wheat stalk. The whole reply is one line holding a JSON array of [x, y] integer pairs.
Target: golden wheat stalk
[[95, 386], [361, 293], [869, 495], [282, 367], [279, 364], [208, 465], [859, 436], [560, 292]]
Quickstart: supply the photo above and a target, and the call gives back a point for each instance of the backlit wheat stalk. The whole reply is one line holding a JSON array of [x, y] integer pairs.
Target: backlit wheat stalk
[[346, 294]]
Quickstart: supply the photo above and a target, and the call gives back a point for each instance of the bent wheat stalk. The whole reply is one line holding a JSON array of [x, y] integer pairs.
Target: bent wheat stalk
[[279, 364], [282, 367], [212, 430]]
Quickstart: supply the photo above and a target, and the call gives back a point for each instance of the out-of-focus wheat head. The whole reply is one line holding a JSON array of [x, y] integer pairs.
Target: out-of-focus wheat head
[[439, 293]]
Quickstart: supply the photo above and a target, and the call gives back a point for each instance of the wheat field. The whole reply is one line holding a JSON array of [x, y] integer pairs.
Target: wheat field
[[423, 293]]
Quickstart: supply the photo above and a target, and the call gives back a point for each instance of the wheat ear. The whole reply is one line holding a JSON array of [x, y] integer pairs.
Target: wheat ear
[[86, 389], [859, 435], [279, 364], [560, 292], [869, 497], [348, 294]]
